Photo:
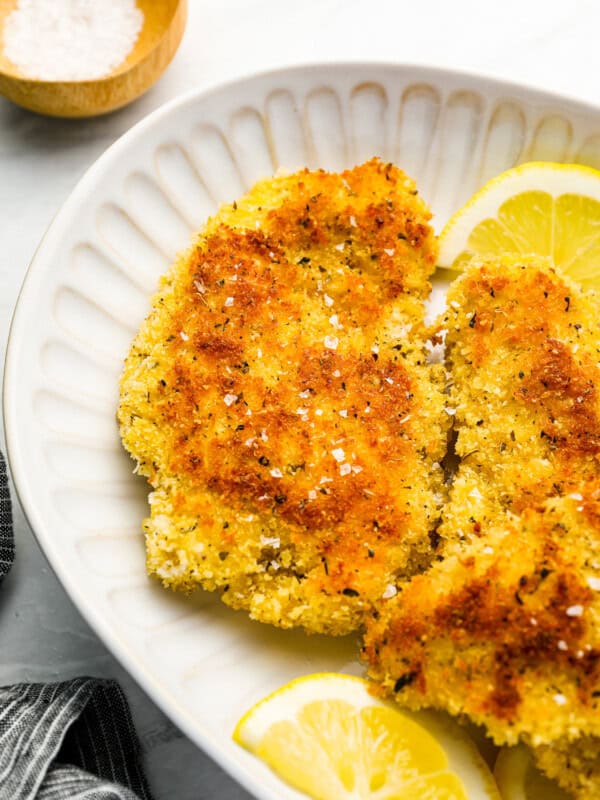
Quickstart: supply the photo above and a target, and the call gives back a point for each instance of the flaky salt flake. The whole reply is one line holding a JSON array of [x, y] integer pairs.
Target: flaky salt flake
[[345, 469], [336, 373], [560, 699], [305, 394], [312, 495], [302, 411], [389, 250], [403, 420], [328, 300], [402, 331], [488, 550], [343, 413], [475, 493], [228, 302], [319, 412], [184, 336], [390, 381], [454, 304], [338, 454], [335, 321], [200, 287], [594, 583], [263, 435], [340, 246], [325, 479], [390, 591], [276, 473], [270, 541], [357, 469], [574, 611], [375, 349], [562, 645], [533, 621], [353, 221], [576, 496], [450, 411], [331, 342], [230, 399]]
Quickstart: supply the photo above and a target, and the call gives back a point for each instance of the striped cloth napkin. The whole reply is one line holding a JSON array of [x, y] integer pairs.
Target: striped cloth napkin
[[61, 741], [7, 546]]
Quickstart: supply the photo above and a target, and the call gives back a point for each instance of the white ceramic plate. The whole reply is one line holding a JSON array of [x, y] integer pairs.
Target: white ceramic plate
[[87, 291]]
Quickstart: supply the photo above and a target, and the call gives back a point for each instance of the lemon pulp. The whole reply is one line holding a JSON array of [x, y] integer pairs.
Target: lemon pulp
[[544, 209], [326, 736], [333, 750], [565, 228]]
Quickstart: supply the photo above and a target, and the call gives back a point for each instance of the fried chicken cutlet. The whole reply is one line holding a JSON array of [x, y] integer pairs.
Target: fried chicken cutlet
[[278, 400], [504, 629]]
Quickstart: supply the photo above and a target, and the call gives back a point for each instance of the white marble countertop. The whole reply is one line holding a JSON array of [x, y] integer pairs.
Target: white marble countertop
[[550, 44]]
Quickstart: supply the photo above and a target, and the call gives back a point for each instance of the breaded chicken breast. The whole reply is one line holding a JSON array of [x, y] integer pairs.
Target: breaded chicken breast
[[505, 627], [278, 400]]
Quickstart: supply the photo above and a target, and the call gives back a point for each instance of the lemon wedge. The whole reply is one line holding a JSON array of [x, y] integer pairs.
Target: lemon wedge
[[328, 737], [518, 778], [538, 208]]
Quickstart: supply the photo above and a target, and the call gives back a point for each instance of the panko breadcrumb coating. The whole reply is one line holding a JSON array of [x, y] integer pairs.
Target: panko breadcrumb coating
[[505, 629], [280, 404]]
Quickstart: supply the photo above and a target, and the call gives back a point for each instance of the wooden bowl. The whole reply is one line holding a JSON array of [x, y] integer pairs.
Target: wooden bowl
[[164, 23]]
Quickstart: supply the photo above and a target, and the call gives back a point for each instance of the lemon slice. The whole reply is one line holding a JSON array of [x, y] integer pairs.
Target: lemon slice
[[519, 779], [538, 208], [327, 736]]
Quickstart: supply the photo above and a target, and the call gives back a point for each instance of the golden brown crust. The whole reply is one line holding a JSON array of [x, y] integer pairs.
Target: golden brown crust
[[574, 764], [505, 614], [279, 401], [505, 629]]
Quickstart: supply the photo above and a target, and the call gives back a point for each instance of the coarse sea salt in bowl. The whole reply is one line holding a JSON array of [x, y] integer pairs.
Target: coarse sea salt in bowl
[[78, 58]]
